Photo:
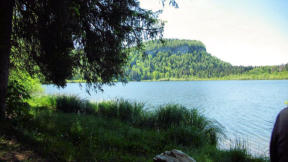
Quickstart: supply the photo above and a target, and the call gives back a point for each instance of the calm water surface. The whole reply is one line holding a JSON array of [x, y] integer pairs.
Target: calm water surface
[[246, 109]]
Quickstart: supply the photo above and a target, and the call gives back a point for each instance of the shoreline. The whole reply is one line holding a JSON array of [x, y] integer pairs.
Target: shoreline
[[173, 79]]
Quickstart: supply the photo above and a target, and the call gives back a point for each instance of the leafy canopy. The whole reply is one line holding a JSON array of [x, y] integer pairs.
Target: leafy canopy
[[87, 36]]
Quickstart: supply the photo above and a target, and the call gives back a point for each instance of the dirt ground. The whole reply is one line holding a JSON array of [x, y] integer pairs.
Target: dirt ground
[[11, 150]]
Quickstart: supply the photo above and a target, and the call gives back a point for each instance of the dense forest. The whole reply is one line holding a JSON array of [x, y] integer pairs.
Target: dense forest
[[173, 59]]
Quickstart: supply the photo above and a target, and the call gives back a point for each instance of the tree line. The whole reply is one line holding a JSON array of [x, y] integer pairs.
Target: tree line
[[185, 59]]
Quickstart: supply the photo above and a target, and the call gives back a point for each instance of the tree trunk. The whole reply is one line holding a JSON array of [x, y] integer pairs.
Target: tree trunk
[[6, 12]]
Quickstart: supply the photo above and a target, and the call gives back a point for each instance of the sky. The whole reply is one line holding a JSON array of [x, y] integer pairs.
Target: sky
[[241, 32]]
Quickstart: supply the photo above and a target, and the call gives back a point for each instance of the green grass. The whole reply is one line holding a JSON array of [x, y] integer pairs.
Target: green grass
[[65, 128]]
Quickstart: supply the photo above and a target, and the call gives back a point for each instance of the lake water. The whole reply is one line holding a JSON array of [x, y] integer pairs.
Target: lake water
[[246, 109]]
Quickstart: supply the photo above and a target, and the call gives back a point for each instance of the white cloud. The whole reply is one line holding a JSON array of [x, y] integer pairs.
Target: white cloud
[[241, 38]]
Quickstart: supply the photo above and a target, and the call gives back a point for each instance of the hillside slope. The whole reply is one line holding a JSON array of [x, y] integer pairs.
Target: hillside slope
[[178, 59], [188, 59]]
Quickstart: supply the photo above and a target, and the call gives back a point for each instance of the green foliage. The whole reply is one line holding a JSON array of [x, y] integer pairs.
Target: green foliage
[[20, 88], [177, 59], [43, 101], [32, 85], [188, 60], [90, 38], [16, 96]]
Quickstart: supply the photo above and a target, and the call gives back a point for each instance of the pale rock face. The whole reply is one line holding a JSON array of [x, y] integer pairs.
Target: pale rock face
[[181, 49], [173, 156]]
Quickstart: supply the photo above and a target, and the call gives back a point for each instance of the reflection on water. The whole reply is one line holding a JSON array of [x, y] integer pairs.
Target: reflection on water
[[246, 109]]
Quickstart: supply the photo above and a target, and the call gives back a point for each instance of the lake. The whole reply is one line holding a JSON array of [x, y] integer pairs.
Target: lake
[[246, 109]]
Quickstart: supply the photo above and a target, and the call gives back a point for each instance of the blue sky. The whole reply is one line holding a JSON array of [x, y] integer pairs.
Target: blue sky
[[242, 32]]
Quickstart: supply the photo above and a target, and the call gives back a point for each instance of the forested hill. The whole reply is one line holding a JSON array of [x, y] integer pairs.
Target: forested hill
[[177, 59], [188, 59]]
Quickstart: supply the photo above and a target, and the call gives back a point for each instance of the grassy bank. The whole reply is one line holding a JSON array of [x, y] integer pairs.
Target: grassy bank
[[65, 128]]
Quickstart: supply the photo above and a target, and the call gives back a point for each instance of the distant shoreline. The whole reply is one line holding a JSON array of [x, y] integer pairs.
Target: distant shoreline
[[182, 79]]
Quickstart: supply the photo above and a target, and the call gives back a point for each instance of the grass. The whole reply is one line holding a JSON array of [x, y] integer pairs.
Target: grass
[[66, 128]]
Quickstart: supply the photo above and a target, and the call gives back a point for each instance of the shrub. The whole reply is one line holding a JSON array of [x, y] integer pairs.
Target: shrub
[[20, 88], [43, 101]]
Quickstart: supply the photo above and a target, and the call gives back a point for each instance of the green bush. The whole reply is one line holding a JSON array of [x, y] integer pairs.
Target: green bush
[[43, 101], [21, 86]]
